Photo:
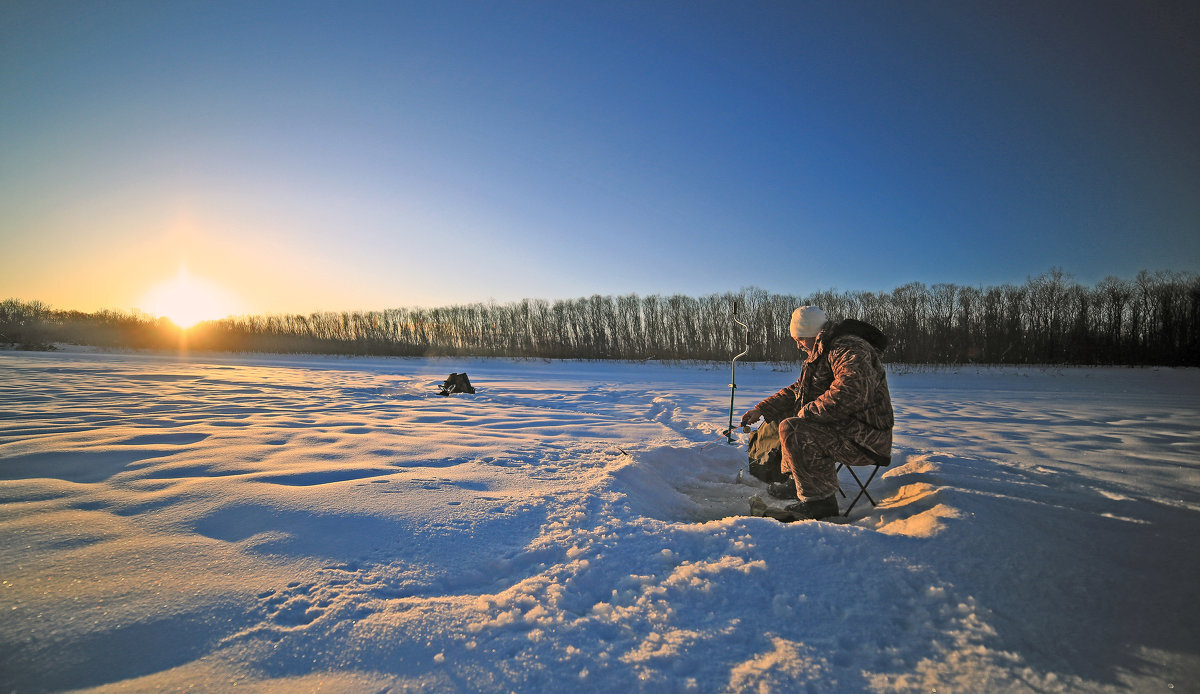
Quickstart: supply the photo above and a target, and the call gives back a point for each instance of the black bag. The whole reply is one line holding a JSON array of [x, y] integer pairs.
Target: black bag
[[766, 454], [457, 383]]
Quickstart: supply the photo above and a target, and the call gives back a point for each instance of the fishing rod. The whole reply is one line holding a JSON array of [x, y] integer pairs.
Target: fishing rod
[[733, 373]]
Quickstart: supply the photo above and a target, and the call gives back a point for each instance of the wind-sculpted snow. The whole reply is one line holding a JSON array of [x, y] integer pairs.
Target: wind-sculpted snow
[[333, 524]]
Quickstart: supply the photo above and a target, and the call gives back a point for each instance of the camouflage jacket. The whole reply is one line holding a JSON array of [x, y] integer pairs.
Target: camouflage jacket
[[843, 385]]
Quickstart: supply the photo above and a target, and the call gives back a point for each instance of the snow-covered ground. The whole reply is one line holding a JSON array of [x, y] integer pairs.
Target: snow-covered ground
[[305, 524]]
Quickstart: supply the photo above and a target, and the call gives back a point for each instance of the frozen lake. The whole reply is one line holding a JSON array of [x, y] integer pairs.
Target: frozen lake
[[299, 523]]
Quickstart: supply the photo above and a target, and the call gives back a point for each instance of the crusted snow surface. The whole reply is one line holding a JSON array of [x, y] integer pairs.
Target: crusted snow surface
[[302, 524]]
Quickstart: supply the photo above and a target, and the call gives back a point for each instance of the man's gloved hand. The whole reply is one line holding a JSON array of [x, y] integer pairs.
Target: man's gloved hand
[[750, 417]]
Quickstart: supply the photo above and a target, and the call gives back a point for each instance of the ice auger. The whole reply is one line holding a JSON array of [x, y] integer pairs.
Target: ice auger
[[733, 373]]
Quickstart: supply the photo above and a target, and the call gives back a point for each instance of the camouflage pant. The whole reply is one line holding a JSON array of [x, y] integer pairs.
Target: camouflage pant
[[810, 453]]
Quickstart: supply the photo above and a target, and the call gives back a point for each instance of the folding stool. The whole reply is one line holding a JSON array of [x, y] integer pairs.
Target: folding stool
[[862, 486]]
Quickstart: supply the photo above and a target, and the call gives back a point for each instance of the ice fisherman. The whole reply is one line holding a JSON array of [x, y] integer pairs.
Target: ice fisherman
[[839, 410]]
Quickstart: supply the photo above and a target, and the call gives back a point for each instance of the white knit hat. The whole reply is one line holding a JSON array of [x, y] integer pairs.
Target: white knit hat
[[807, 321]]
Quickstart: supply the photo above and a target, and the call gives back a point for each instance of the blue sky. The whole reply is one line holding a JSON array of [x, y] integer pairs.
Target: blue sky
[[315, 156]]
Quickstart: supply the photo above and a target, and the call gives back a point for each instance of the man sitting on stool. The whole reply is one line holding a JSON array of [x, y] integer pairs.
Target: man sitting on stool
[[839, 410]]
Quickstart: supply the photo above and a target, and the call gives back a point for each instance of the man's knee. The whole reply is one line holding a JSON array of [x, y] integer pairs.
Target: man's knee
[[794, 426]]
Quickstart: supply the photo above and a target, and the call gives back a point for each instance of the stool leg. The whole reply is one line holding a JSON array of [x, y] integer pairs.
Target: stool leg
[[862, 488]]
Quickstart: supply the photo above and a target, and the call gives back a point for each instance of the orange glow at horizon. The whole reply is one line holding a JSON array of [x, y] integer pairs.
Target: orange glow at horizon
[[188, 300]]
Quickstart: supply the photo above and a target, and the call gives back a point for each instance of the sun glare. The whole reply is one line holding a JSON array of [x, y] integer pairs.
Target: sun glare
[[188, 300]]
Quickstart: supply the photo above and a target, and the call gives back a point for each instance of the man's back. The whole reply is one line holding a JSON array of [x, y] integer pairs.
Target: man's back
[[845, 379]]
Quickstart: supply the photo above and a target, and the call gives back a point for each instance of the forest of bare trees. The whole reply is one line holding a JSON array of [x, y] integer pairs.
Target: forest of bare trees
[[1050, 319]]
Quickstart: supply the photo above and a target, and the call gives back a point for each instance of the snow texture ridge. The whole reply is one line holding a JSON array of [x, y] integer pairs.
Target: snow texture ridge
[[299, 524]]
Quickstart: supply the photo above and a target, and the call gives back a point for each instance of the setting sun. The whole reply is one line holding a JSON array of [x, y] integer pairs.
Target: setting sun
[[188, 300]]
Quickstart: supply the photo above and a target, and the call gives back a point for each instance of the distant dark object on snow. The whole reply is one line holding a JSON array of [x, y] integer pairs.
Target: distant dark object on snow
[[456, 383]]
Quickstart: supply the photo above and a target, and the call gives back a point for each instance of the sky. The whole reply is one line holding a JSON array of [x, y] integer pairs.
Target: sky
[[305, 156]]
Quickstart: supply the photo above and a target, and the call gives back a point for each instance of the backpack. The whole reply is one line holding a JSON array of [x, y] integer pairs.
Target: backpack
[[457, 383], [766, 454]]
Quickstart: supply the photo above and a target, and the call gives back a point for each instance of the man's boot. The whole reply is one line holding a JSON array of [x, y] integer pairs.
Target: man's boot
[[814, 509]]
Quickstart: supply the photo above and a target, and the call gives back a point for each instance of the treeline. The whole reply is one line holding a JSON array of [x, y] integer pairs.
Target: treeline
[[1051, 319], [34, 325]]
